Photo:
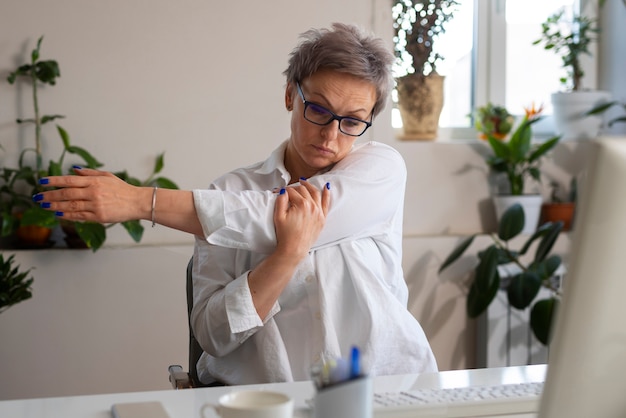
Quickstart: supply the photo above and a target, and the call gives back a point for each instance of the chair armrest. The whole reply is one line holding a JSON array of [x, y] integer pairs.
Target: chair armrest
[[179, 378]]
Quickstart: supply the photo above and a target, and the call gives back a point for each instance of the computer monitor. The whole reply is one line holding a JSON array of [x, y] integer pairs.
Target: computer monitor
[[586, 374]]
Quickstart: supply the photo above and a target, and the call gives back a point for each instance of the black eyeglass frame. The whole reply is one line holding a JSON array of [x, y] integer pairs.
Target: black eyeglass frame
[[332, 114]]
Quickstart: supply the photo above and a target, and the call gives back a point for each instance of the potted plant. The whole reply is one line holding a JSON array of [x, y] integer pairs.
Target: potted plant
[[21, 216], [562, 205], [518, 272], [570, 38], [417, 24], [517, 160], [493, 120], [15, 285]]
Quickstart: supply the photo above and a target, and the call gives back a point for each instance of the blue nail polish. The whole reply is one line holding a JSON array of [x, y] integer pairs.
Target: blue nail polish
[[58, 213], [45, 205], [282, 191], [38, 197], [328, 186], [303, 178], [44, 181], [77, 167]]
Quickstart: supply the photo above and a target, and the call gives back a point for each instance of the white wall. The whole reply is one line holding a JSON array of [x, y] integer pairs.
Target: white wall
[[201, 81]]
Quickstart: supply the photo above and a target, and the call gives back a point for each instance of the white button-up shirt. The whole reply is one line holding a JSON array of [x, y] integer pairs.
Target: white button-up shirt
[[349, 291]]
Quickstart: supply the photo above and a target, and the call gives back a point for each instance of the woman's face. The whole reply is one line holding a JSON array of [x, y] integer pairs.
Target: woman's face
[[312, 147]]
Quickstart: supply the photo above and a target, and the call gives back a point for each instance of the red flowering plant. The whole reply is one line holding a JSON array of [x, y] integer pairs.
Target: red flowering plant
[[518, 157]]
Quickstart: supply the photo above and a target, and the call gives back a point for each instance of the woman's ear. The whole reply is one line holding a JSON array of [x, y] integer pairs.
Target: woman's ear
[[289, 97]]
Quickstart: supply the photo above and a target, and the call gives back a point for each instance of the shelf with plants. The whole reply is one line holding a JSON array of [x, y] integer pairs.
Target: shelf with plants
[[24, 223]]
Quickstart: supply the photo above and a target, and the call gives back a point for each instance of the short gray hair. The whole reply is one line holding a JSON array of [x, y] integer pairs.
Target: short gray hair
[[347, 49]]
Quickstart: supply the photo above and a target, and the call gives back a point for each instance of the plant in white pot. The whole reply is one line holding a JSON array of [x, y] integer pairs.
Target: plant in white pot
[[516, 160], [417, 25], [570, 38]]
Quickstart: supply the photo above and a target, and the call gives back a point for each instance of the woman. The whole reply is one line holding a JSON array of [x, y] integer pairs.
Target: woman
[[298, 257]]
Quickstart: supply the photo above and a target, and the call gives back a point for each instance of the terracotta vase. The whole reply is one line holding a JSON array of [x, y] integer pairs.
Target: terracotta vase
[[554, 212]]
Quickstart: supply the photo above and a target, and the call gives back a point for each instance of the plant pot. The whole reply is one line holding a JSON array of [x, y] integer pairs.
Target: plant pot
[[420, 100], [554, 212], [72, 239], [569, 113], [531, 205], [33, 236]]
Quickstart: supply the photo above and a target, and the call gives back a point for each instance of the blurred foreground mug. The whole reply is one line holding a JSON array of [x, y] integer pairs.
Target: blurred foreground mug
[[253, 404], [350, 399]]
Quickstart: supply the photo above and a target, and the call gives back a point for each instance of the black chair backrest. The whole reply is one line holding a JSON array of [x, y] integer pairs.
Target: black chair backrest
[[195, 351]]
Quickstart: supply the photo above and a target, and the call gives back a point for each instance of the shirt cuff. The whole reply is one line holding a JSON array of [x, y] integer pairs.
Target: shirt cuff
[[242, 315], [209, 206]]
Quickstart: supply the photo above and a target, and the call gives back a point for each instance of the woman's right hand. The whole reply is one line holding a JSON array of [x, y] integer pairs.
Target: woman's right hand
[[299, 216], [95, 196]]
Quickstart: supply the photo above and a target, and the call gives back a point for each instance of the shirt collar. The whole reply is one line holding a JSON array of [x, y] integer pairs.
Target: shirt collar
[[276, 162]]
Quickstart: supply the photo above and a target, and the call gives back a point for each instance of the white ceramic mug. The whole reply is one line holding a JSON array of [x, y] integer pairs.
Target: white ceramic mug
[[254, 404]]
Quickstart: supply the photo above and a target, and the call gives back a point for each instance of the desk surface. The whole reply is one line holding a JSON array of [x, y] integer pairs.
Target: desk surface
[[189, 402]]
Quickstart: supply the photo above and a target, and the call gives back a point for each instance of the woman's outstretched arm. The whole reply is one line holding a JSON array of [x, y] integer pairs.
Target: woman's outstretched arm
[[99, 196]]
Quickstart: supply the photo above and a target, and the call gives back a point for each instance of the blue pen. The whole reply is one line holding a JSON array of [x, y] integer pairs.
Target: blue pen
[[355, 363]]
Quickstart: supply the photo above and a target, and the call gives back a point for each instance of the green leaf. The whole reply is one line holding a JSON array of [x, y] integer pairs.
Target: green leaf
[[90, 160], [50, 118], [512, 222], [477, 301], [54, 169], [64, 137], [47, 71], [522, 289], [500, 148], [457, 252], [134, 229], [542, 317], [158, 165], [40, 217], [540, 232], [93, 233], [544, 148], [164, 183], [546, 268], [547, 242], [486, 273]]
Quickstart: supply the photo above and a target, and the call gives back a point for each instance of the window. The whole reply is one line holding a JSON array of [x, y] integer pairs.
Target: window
[[489, 56]]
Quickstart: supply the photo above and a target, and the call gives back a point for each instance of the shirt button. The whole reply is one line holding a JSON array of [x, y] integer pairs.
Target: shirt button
[[318, 315], [309, 279]]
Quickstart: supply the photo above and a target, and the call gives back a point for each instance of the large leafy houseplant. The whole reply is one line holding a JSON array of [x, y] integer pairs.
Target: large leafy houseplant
[[570, 37], [417, 25], [518, 157], [19, 184], [524, 279]]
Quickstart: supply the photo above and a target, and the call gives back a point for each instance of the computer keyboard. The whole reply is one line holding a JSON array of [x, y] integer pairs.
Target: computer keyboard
[[474, 401]]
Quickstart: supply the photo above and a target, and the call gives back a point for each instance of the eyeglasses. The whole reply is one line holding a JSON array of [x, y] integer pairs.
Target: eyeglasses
[[319, 115]]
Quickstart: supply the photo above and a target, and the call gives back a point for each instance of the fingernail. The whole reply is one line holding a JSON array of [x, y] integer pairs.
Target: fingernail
[[38, 197], [327, 186], [44, 181], [77, 167], [303, 178], [58, 213], [282, 191], [45, 205]]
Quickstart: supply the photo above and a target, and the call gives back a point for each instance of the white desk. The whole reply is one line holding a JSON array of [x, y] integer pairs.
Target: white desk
[[189, 402]]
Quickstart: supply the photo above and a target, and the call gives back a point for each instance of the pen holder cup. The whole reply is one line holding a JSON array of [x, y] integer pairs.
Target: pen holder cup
[[353, 398]]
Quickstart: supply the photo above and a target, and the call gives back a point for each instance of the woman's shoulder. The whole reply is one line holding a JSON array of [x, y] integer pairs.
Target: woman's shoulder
[[377, 149]]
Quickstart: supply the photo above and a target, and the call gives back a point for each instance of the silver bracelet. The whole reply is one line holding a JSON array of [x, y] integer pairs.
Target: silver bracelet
[[153, 204]]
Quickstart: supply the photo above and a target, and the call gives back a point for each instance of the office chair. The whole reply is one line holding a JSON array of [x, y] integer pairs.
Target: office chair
[[178, 377]]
